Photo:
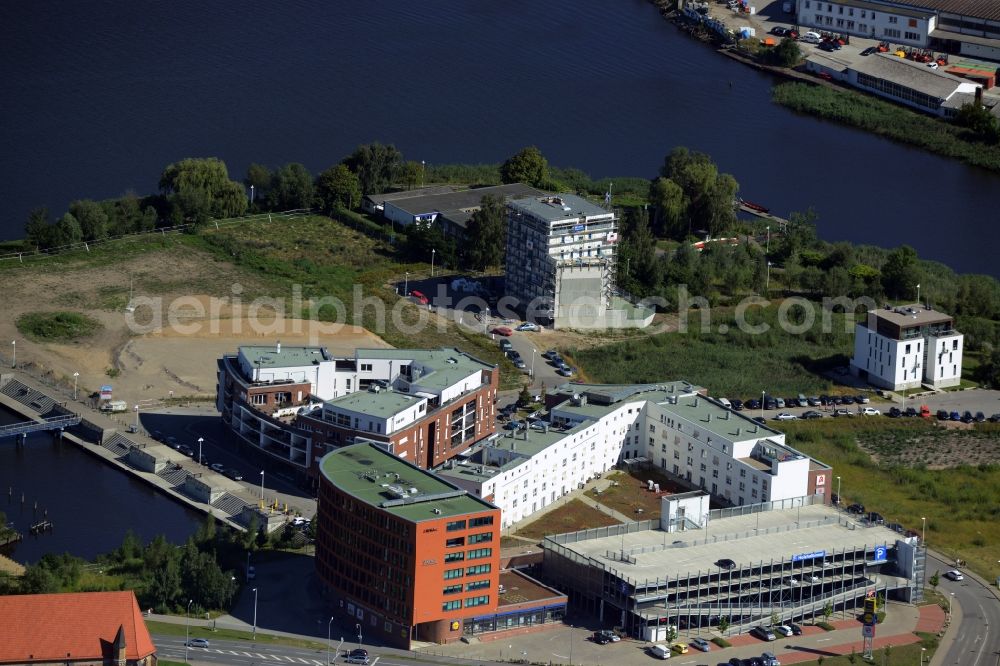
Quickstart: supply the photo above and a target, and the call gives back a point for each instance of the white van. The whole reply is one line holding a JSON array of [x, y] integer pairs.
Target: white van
[[811, 38], [660, 651]]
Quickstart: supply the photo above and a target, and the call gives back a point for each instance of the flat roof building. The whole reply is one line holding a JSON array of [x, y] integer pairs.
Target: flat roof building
[[905, 346], [789, 558]]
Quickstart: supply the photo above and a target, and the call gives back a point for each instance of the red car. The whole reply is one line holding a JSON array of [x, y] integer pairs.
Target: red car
[[419, 297], [505, 331]]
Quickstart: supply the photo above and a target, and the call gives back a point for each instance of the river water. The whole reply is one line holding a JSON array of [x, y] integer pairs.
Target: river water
[[99, 95], [90, 504]]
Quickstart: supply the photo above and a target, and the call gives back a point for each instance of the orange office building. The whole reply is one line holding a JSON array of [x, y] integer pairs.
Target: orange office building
[[405, 554]]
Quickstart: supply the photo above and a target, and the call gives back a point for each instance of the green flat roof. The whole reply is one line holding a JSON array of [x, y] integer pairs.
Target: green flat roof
[[447, 365], [366, 472], [383, 404], [270, 357]]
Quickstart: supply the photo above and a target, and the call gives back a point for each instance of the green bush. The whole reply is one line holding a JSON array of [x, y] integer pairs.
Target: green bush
[[57, 326], [721, 642]]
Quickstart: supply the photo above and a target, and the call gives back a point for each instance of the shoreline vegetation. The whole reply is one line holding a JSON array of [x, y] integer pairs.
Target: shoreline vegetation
[[888, 120]]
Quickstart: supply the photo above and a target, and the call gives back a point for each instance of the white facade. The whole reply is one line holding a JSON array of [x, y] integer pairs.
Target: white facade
[[729, 455], [294, 364], [898, 25], [904, 347]]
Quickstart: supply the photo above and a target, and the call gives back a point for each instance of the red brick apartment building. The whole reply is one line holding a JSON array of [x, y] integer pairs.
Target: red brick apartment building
[[74, 629], [412, 557], [296, 404]]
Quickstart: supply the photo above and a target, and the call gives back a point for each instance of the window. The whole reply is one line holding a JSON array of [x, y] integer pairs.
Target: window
[[451, 605], [477, 601], [456, 525], [452, 573], [481, 538], [259, 398], [452, 589], [477, 570], [702, 467], [455, 543], [454, 557], [366, 367], [715, 473], [743, 473], [479, 553], [479, 522], [743, 486], [677, 455], [907, 349], [477, 585], [893, 19]]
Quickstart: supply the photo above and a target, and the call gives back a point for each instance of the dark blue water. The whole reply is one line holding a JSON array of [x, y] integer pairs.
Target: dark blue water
[[90, 504], [98, 96]]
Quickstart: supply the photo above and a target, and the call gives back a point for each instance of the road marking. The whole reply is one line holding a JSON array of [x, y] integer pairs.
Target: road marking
[[821, 640]]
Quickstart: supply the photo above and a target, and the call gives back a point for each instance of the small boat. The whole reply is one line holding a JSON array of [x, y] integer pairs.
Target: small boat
[[754, 206]]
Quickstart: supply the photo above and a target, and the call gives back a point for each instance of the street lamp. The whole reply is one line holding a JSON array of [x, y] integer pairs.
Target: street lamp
[[433, 252], [839, 496], [254, 637], [328, 626], [187, 629], [767, 249], [423, 166], [532, 373], [406, 284], [762, 394], [922, 651], [358, 627], [76, 377], [251, 195], [767, 281], [923, 531], [13, 358], [261, 485], [137, 418], [201, 461], [950, 599], [571, 645]]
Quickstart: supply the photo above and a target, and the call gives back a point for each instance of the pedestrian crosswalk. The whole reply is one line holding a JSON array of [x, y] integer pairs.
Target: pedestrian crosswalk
[[260, 656]]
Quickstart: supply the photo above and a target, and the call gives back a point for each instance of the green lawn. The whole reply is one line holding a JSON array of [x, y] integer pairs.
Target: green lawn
[[171, 629], [57, 326], [570, 517], [734, 363], [901, 654]]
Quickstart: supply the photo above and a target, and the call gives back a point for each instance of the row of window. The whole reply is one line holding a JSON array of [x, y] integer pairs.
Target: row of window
[[473, 522], [469, 603], [477, 570], [482, 537], [469, 587]]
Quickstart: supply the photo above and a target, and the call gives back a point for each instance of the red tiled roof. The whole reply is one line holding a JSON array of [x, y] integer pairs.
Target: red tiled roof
[[64, 627]]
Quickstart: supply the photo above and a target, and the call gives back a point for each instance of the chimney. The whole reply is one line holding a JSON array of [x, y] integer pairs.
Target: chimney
[[278, 349], [979, 95]]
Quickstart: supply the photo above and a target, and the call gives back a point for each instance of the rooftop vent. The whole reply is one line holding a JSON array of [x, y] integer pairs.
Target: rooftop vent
[[413, 491], [436, 511]]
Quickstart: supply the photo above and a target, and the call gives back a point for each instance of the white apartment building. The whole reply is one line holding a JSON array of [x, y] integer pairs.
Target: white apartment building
[[903, 347], [672, 426]]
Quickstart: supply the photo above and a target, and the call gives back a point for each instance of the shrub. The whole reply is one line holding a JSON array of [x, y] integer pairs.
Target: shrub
[[57, 326]]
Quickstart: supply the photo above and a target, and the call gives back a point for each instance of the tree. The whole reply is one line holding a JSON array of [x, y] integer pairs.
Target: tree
[[723, 625], [411, 173], [669, 204], [639, 271], [671, 633], [67, 231], [338, 187], [291, 187], [259, 178], [524, 397], [376, 166], [92, 217], [486, 234], [785, 54], [526, 166], [38, 231], [199, 188], [988, 373], [426, 239], [900, 274], [709, 195], [827, 610], [978, 119]]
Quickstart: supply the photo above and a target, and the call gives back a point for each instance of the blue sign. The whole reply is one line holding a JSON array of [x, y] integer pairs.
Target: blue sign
[[880, 554], [816, 554], [579, 227]]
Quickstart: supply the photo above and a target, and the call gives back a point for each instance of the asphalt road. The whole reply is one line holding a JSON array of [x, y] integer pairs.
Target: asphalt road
[[976, 639]]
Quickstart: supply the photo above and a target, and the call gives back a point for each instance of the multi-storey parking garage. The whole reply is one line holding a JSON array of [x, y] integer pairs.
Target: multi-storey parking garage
[[785, 560]]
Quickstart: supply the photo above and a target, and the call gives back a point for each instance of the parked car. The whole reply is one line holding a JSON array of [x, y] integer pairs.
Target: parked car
[[701, 644], [796, 629], [955, 416], [870, 411], [827, 46], [217, 467], [726, 564], [755, 404], [856, 508], [779, 31], [198, 642], [784, 630], [186, 450], [894, 413], [942, 414], [657, 651], [565, 371], [506, 346], [814, 401], [528, 326], [519, 363], [251, 572], [763, 633], [911, 412], [605, 636], [357, 656], [967, 417], [768, 659], [993, 419], [896, 527], [835, 498], [550, 354], [876, 518], [419, 297], [785, 416], [861, 399], [811, 414], [779, 403], [234, 474], [679, 648], [513, 425], [842, 412], [980, 417], [505, 331], [760, 419], [954, 575], [824, 400], [737, 404], [870, 50]]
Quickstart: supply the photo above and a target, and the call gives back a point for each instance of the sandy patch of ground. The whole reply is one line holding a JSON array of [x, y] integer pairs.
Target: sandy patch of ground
[[150, 361]]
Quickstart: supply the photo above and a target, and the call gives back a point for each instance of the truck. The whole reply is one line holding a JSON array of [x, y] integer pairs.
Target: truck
[[114, 406]]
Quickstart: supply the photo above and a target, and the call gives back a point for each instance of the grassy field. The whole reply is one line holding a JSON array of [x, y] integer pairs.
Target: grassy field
[[631, 494], [570, 517], [901, 654], [57, 326], [733, 363], [960, 501]]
